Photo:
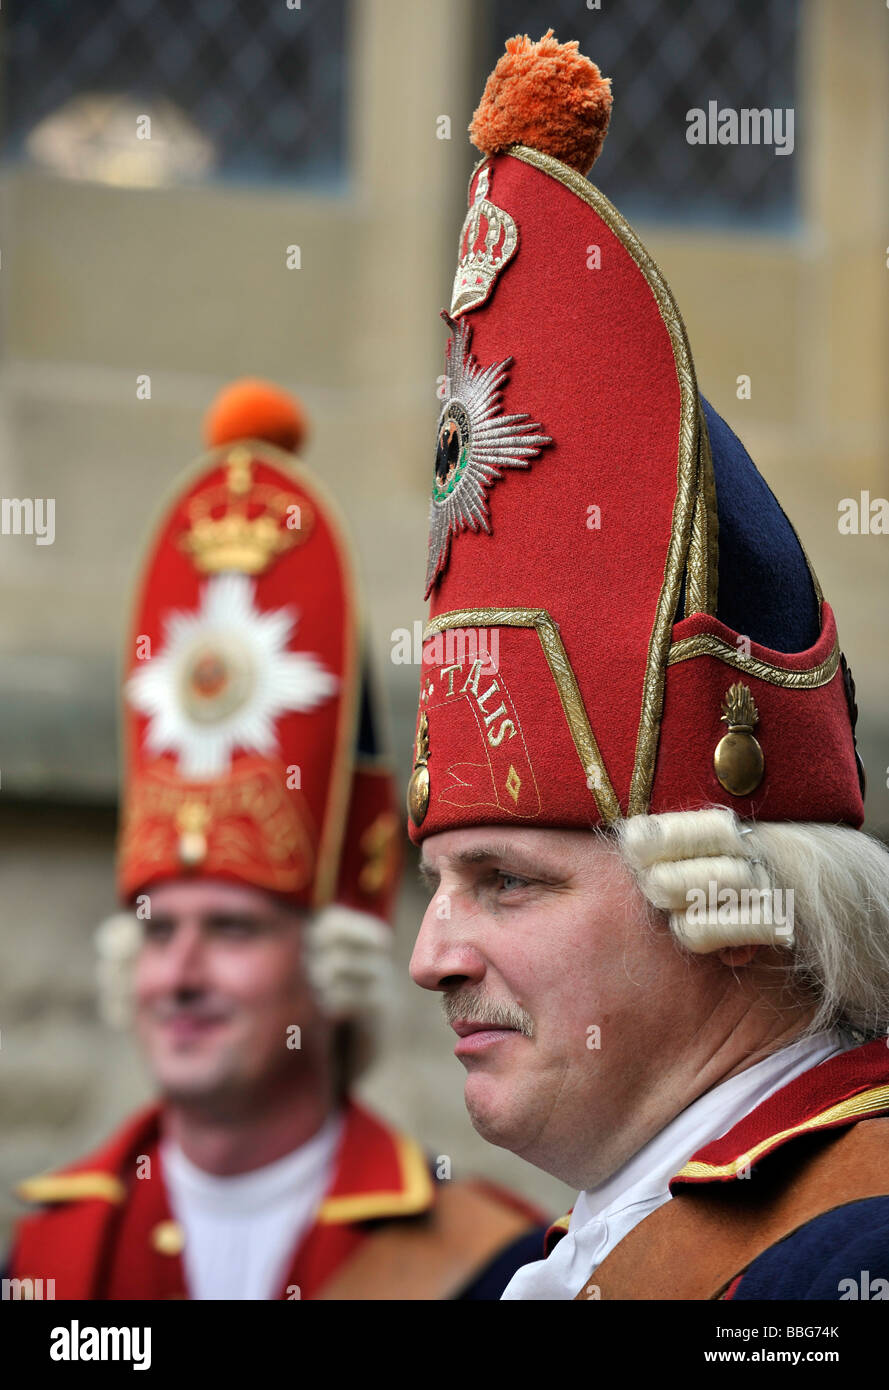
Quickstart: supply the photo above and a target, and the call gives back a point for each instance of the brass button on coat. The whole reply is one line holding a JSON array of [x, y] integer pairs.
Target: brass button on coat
[[168, 1238]]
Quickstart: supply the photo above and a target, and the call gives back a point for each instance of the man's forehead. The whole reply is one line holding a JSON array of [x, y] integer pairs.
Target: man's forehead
[[210, 897], [465, 849]]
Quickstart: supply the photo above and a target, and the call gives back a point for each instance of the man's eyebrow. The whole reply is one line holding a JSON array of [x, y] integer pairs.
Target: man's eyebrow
[[223, 918], [523, 861], [431, 877]]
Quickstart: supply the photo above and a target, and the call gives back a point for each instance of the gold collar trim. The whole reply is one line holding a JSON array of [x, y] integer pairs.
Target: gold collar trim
[[870, 1102], [415, 1194]]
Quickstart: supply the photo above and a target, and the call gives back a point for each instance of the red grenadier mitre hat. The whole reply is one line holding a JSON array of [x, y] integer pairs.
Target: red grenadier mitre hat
[[622, 618], [249, 738]]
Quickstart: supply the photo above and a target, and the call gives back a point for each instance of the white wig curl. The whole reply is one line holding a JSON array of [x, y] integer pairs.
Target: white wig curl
[[838, 948]]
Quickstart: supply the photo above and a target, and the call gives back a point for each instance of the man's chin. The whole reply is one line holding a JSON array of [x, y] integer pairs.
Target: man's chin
[[496, 1112], [178, 1084], [189, 1076]]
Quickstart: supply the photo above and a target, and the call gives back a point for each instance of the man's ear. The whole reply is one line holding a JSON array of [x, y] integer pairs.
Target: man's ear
[[737, 955]]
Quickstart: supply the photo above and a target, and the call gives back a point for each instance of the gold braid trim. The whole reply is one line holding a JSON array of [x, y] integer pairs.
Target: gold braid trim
[[705, 644], [415, 1195], [547, 631], [871, 1102], [688, 472], [72, 1187], [702, 573]]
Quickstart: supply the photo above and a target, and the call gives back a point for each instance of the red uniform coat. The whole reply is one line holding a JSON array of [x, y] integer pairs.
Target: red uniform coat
[[106, 1230]]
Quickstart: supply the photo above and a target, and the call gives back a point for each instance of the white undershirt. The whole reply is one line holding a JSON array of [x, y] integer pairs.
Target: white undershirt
[[241, 1233], [604, 1215]]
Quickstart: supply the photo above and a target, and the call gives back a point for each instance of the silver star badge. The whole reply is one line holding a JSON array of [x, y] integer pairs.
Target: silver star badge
[[475, 442]]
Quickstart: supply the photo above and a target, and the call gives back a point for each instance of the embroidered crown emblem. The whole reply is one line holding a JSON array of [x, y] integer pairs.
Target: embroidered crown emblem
[[243, 525], [488, 240]]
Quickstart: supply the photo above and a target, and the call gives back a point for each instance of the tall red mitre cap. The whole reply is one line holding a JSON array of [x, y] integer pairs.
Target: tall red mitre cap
[[581, 660], [249, 742]]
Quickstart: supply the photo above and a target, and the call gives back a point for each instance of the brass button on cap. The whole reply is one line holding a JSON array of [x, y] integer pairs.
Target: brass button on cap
[[418, 795], [418, 786]]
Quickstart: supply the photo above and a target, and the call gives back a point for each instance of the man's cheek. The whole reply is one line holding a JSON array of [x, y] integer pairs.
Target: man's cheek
[[144, 985], [257, 1005]]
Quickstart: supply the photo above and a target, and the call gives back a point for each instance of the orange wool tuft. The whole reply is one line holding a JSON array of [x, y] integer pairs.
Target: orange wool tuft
[[254, 409], [546, 95]]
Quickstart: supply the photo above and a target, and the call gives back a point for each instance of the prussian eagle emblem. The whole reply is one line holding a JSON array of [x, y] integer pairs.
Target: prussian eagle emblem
[[475, 442]]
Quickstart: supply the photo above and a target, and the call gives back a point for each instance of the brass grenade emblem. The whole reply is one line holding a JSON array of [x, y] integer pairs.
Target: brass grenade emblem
[[418, 786], [738, 759]]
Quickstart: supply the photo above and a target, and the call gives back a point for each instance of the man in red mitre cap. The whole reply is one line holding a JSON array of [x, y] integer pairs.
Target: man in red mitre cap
[[259, 860], [665, 952]]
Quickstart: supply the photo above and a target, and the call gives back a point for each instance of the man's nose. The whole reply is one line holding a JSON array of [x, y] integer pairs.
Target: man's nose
[[185, 957], [445, 954]]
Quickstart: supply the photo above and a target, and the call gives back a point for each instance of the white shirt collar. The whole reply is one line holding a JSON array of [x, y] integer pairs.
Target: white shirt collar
[[262, 1187]]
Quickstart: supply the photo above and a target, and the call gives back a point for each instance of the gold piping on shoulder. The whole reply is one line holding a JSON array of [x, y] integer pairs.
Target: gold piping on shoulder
[[72, 1187], [687, 479], [415, 1195], [869, 1102], [547, 631], [705, 644]]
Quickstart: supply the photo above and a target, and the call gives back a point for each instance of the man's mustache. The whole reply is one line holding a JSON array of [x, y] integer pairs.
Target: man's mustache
[[203, 1008], [475, 1007]]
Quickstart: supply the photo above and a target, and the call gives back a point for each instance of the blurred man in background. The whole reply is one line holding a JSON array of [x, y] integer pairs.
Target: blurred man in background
[[259, 859]]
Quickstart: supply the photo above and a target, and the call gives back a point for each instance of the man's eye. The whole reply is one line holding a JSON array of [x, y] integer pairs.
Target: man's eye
[[234, 930], [508, 882], [157, 931]]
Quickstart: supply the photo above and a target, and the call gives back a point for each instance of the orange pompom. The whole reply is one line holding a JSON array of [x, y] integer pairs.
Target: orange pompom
[[546, 95], [254, 409]]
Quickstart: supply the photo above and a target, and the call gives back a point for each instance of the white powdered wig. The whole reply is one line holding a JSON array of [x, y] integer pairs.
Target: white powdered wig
[[701, 867], [349, 962], [117, 941], [347, 959], [838, 949]]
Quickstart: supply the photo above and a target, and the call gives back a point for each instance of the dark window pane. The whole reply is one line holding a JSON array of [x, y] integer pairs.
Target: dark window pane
[[666, 57], [264, 84]]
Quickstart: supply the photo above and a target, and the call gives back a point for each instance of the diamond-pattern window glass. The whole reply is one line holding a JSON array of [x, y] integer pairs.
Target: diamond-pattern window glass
[[666, 57], [234, 88]]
